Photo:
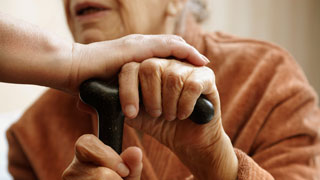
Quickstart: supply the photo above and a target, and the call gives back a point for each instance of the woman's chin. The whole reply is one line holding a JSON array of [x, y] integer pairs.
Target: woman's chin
[[95, 35], [90, 36], [91, 39]]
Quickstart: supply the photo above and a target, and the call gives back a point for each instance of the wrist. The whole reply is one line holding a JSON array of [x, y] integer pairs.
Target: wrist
[[228, 162], [63, 58], [69, 58], [218, 161], [72, 63]]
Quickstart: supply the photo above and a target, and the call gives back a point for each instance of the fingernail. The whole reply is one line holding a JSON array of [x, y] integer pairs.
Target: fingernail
[[171, 118], [181, 39], [130, 110], [182, 116], [205, 58], [123, 170], [155, 113]]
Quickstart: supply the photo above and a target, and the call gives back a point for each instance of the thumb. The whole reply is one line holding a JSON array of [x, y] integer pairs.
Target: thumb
[[132, 157]]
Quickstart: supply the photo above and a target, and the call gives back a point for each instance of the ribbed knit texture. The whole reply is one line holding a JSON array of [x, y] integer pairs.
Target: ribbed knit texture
[[269, 111]]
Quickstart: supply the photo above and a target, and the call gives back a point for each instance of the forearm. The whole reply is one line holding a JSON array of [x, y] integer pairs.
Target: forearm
[[31, 56]]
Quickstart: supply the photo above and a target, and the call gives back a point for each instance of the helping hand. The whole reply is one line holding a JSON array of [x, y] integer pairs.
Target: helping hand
[[104, 59]]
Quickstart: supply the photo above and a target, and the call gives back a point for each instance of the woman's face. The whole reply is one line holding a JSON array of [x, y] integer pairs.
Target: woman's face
[[97, 20]]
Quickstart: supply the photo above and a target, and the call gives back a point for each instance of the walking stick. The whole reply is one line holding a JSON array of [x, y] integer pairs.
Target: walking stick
[[104, 98]]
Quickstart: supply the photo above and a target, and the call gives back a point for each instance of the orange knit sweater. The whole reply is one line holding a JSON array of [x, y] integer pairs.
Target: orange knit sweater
[[269, 111]]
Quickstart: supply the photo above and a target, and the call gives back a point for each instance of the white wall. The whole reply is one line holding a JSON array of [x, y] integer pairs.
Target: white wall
[[49, 15], [294, 24]]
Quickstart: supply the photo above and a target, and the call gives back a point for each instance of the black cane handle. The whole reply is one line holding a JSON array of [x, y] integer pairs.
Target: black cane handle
[[104, 98]]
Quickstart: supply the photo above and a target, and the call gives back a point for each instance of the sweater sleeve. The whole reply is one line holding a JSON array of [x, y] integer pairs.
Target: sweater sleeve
[[19, 166], [248, 169], [270, 111]]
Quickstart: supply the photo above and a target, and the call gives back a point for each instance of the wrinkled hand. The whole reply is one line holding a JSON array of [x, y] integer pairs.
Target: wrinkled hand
[[104, 59], [170, 90], [94, 161]]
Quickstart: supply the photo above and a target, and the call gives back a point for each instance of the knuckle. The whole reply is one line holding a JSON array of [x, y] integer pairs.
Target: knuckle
[[133, 39], [173, 36], [108, 150], [84, 139], [179, 38], [138, 37], [210, 81], [174, 40], [134, 36], [82, 143], [173, 79], [129, 67], [170, 41], [105, 173], [148, 67], [128, 42], [209, 71], [194, 86]]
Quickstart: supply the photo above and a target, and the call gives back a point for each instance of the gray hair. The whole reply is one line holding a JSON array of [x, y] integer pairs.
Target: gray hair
[[199, 8]]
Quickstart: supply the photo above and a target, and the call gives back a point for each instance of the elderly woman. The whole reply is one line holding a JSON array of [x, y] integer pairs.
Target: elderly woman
[[266, 116]]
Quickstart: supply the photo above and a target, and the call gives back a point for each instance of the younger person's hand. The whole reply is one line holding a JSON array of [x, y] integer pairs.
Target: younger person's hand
[[104, 59]]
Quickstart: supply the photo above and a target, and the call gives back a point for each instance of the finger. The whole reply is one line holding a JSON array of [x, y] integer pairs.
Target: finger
[[129, 89], [200, 81], [133, 159], [78, 171], [89, 149], [173, 79], [214, 98], [105, 173], [150, 83], [141, 47]]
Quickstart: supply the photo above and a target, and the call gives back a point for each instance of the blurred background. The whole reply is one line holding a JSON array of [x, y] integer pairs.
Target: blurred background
[[292, 24]]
